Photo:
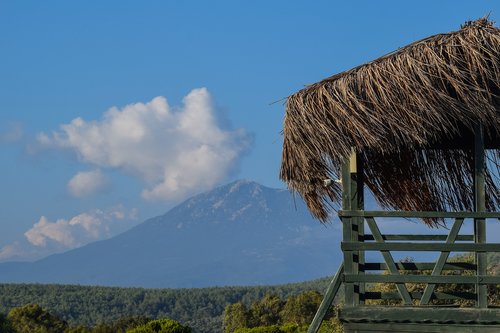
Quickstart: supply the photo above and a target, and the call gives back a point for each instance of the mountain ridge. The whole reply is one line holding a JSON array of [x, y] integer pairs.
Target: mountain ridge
[[242, 233]]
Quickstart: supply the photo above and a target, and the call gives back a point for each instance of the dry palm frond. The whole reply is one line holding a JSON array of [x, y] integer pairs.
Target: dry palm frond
[[411, 115]]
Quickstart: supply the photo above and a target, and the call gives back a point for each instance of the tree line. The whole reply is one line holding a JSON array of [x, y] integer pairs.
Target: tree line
[[90, 306], [272, 314], [32, 318]]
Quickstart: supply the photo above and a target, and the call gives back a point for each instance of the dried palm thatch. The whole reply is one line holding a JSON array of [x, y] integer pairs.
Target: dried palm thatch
[[410, 115]]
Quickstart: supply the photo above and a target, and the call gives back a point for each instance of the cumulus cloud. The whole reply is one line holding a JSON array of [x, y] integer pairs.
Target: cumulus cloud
[[175, 151], [77, 231], [11, 251], [86, 183], [47, 237]]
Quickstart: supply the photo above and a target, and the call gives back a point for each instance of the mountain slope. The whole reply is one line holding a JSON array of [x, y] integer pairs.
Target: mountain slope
[[238, 234]]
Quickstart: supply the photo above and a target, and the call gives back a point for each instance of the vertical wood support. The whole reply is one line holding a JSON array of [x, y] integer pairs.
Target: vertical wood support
[[357, 203], [480, 206], [353, 227], [347, 230]]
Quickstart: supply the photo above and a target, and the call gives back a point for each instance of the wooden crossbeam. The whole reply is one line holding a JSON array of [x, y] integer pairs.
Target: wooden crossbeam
[[455, 295], [420, 237], [438, 268], [409, 214], [389, 261], [398, 278], [420, 266], [428, 247]]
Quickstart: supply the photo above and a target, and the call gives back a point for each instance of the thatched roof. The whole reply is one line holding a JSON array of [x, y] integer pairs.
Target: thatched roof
[[410, 114]]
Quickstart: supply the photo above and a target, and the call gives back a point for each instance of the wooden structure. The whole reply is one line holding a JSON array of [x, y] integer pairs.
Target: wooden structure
[[361, 234], [416, 127]]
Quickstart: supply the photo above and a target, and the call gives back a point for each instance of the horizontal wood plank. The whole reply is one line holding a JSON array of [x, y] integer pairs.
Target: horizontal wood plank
[[410, 214], [411, 266], [418, 295], [400, 246], [393, 278], [419, 237]]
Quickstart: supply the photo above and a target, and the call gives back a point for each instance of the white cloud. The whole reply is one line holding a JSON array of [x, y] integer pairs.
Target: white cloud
[[175, 151], [77, 231], [10, 251], [48, 237], [86, 183]]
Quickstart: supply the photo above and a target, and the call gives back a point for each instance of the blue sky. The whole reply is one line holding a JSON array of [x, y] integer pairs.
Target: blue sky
[[114, 111]]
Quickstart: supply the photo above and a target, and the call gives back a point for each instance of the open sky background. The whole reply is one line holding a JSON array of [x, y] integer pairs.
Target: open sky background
[[112, 112]]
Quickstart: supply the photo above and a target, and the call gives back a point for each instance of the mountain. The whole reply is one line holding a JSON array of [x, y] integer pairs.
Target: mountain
[[242, 233]]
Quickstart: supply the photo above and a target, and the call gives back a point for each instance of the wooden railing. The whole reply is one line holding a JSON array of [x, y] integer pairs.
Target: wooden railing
[[356, 243], [355, 272]]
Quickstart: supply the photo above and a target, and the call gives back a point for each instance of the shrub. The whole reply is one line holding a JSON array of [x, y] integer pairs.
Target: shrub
[[161, 326]]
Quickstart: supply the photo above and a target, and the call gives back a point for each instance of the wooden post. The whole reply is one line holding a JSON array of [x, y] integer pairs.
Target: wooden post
[[353, 227], [357, 203], [480, 206], [347, 229]]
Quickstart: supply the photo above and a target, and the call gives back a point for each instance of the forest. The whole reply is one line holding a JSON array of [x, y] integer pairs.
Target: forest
[[90, 306], [37, 308]]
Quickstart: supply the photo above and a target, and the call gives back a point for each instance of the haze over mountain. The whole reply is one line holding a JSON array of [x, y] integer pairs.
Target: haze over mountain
[[239, 234]]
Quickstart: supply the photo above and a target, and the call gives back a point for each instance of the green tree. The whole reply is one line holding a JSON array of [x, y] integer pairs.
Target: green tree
[[32, 318], [260, 329], [301, 309], [78, 329], [104, 328], [332, 325], [126, 323], [266, 312], [235, 316], [5, 325], [293, 328], [161, 326]]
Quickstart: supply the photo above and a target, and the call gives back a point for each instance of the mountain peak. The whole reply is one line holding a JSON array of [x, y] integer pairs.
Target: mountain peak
[[238, 200], [239, 233]]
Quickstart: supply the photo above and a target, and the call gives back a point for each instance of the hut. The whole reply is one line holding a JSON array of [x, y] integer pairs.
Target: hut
[[420, 129]]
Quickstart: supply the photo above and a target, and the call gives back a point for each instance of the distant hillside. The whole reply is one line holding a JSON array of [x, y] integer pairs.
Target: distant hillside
[[201, 309], [238, 234]]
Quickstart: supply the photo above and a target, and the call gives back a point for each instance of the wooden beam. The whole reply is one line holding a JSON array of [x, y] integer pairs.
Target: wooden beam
[[357, 203], [452, 295], [327, 301], [389, 261], [421, 266], [443, 315], [420, 237], [429, 289], [396, 278], [347, 229], [410, 214], [437, 247], [480, 206]]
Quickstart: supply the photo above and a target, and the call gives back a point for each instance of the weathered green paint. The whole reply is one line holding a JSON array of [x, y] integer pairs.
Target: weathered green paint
[[414, 266], [357, 233], [358, 317], [421, 237], [418, 295], [381, 213], [399, 246], [396, 278], [347, 228], [480, 206], [327, 301], [389, 260], [418, 328], [420, 315], [429, 289]]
